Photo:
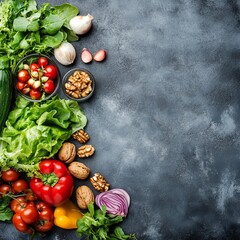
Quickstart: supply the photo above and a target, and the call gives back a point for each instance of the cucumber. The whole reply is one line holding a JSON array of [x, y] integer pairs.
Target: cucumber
[[5, 90]]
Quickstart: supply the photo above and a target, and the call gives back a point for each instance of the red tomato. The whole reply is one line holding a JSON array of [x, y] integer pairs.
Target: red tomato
[[10, 175], [34, 67], [42, 62], [29, 214], [19, 224], [23, 75], [30, 196], [5, 188], [19, 204], [20, 185], [35, 94], [50, 71], [20, 85], [46, 217], [49, 86]]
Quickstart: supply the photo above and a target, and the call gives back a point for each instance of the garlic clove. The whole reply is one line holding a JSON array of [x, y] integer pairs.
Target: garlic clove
[[86, 56], [100, 55]]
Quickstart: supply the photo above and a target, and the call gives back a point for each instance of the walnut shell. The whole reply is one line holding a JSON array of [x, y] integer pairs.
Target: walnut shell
[[79, 170], [67, 152], [84, 196]]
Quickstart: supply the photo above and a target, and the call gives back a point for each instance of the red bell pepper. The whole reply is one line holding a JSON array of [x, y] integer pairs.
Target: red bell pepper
[[56, 183]]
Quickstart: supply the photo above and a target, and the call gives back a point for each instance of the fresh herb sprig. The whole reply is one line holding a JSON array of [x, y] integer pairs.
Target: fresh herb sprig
[[98, 225]]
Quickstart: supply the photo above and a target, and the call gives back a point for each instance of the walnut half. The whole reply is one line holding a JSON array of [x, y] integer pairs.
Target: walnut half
[[99, 182], [86, 151], [81, 136]]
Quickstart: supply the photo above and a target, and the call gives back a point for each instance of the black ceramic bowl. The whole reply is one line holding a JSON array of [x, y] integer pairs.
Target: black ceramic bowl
[[73, 84], [24, 63]]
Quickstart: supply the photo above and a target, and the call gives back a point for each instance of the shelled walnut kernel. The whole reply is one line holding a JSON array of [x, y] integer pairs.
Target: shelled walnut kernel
[[79, 85], [81, 136], [86, 151], [99, 182]]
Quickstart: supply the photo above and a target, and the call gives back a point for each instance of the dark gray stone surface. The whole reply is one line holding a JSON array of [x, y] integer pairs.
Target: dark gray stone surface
[[165, 115]]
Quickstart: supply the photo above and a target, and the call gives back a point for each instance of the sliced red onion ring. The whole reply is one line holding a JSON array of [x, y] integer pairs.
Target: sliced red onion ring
[[116, 200]]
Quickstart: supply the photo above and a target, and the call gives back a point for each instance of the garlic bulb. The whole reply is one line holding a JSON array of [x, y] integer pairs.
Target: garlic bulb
[[65, 53], [81, 24]]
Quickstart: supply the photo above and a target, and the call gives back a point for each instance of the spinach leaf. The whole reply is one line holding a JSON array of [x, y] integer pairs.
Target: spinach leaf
[[66, 12], [52, 41], [52, 24]]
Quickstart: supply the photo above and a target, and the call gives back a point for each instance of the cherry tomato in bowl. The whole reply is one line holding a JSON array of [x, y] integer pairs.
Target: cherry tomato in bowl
[[36, 77]]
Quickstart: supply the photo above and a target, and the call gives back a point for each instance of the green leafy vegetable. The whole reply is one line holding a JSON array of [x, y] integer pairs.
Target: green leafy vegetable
[[36, 131], [26, 29], [5, 211], [97, 225]]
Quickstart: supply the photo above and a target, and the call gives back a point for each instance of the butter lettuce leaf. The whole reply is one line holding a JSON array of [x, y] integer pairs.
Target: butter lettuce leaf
[[35, 131]]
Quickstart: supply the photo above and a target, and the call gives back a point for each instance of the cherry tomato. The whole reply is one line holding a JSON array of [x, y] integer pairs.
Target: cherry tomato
[[26, 90], [19, 185], [19, 224], [30, 214], [34, 67], [35, 94], [19, 204], [42, 61], [30, 196], [49, 86], [35, 74], [50, 71], [10, 175], [23, 75], [46, 217], [20, 85], [5, 188]]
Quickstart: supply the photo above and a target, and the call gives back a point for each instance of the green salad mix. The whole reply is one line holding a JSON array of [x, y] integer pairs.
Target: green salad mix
[[36, 130]]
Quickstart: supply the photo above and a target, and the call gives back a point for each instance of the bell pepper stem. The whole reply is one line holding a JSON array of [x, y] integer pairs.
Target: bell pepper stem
[[50, 179]]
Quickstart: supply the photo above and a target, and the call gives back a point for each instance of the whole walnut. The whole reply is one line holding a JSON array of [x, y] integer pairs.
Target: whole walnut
[[84, 196], [67, 152], [79, 170]]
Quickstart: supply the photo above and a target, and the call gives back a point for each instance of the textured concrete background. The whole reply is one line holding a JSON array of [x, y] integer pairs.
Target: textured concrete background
[[165, 115]]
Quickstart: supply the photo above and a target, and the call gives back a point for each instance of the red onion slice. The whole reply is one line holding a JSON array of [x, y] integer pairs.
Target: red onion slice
[[117, 201]]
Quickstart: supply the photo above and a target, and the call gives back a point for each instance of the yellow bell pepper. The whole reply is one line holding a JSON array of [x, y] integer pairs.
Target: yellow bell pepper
[[66, 215]]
